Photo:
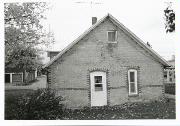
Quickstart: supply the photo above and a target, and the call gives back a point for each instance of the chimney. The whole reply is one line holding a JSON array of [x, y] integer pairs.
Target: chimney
[[173, 57], [94, 20]]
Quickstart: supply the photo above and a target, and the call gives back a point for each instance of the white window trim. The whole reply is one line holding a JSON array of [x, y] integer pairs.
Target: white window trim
[[136, 88], [115, 36]]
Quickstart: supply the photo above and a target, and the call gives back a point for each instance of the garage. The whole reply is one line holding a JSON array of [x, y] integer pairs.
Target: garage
[[7, 78]]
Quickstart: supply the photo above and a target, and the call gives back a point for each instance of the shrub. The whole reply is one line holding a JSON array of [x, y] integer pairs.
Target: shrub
[[42, 104]]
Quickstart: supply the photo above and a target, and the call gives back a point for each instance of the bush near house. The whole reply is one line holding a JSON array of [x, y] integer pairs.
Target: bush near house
[[34, 105]]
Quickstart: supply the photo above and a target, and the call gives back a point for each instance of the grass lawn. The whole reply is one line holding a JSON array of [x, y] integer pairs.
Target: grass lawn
[[149, 110], [11, 97]]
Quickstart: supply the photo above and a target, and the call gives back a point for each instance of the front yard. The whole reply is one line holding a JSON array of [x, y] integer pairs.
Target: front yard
[[150, 110]]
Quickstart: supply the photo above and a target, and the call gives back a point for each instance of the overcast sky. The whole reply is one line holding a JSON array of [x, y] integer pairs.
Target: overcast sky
[[68, 19]]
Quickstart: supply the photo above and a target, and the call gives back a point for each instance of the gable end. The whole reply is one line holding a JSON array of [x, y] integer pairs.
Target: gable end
[[156, 56]]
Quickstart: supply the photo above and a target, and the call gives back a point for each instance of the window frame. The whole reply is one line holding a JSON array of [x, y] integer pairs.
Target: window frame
[[98, 83], [135, 82], [165, 74], [115, 36]]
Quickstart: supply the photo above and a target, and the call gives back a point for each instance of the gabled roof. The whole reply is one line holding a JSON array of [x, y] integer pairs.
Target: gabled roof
[[122, 27]]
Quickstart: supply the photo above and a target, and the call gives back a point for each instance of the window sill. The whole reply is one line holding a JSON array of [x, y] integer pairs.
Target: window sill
[[133, 95], [112, 42]]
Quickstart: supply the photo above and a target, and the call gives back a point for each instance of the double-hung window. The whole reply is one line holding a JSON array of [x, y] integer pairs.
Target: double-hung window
[[132, 81], [112, 36]]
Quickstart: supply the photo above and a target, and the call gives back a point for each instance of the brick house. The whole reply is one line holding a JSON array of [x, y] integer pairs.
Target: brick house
[[106, 65]]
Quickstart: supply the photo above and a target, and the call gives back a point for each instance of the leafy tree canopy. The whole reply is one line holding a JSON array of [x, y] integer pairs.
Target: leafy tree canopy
[[170, 19], [24, 33]]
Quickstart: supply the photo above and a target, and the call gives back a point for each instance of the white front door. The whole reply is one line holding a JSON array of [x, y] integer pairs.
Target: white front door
[[98, 88]]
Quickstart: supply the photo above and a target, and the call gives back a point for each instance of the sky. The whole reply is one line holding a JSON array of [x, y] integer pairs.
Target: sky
[[70, 18]]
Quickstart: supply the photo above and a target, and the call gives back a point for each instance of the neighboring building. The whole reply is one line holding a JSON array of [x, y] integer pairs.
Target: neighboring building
[[51, 54], [169, 72], [13, 76], [172, 61], [18, 76], [106, 65]]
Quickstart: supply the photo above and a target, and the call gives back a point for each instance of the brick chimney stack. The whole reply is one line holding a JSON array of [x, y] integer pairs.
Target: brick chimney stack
[[94, 20]]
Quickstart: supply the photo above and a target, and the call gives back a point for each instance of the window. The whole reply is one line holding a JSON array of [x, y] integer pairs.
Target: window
[[165, 74], [170, 73], [112, 36], [170, 79], [132, 80], [98, 83]]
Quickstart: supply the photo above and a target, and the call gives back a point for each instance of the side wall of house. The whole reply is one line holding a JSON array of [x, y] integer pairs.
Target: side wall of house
[[69, 75]]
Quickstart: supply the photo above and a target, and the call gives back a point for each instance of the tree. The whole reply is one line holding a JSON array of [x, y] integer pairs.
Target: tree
[[23, 34], [23, 58], [170, 19]]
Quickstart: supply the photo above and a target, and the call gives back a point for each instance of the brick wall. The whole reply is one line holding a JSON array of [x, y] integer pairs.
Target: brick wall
[[71, 71]]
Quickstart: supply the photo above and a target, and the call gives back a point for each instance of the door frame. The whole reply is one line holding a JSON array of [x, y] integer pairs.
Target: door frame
[[107, 83]]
